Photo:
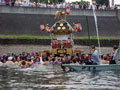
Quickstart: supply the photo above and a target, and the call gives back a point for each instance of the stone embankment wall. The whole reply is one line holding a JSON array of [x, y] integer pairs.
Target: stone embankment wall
[[26, 21], [104, 43]]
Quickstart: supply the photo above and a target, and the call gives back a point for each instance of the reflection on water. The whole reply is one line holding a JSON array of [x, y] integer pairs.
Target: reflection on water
[[52, 78]]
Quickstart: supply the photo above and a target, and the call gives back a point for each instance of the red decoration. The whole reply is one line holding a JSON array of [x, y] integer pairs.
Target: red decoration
[[37, 53], [69, 40], [32, 53], [79, 27], [42, 27], [67, 11], [49, 28]]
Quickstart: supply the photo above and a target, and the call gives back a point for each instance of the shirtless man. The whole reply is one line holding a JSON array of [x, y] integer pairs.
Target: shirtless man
[[9, 61]]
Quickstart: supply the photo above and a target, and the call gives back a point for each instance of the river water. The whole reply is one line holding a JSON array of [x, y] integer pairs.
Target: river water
[[53, 78]]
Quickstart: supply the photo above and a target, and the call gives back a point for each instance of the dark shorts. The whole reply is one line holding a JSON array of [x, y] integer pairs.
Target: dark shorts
[[90, 63], [112, 62]]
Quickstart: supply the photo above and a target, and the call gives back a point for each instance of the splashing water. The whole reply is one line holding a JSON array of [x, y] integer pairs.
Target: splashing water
[[96, 25], [50, 77]]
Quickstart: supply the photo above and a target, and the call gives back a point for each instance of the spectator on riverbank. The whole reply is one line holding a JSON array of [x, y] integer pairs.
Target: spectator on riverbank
[[54, 5]]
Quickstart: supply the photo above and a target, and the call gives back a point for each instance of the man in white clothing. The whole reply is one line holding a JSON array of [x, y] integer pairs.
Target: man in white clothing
[[116, 55]]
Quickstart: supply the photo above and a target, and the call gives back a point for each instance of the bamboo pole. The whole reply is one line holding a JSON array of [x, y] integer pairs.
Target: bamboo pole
[[117, 62], [89, 41]]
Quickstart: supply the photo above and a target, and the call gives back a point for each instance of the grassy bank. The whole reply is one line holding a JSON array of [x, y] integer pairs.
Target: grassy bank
[[48, 37], [23, 37]]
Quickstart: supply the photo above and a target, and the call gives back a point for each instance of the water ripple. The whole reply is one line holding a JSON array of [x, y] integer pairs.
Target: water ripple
[[52, 78]]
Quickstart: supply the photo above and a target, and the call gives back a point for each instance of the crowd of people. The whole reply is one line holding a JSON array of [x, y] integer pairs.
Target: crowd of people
[[28, 60], [54, 5]]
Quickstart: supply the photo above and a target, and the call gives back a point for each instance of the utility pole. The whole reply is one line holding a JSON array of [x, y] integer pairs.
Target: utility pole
[[112, 3]]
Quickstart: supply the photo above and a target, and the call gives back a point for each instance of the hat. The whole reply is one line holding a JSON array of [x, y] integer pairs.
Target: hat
[[10, 58]]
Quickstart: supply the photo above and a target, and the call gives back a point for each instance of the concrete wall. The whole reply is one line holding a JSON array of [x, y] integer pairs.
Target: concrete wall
[[118, 14], [104, 43], [51, 11], [20, 20]]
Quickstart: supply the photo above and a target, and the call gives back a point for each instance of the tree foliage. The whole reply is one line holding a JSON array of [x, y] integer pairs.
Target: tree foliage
[[46, 1], [81, 2], [102, 2], [41, 1], [36, 1], [60, 0], [51, 1], [54, 1]]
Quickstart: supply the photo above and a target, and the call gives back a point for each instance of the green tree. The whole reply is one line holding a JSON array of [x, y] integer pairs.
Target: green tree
[[41, 1], [46, 1], [81, 2], [102, 2], [51, 1], [36, 1], [60, 0], [55, 1]]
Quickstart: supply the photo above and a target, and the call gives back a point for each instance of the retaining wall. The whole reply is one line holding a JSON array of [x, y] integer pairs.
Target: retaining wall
[[26, 21], [104, 43]]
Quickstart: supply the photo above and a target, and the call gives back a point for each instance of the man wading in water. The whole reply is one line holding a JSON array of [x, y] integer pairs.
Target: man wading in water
[[95, 56], [116, 55]]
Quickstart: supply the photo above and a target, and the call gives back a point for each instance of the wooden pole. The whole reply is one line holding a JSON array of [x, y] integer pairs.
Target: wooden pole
[[117, 61], [89, 41]]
